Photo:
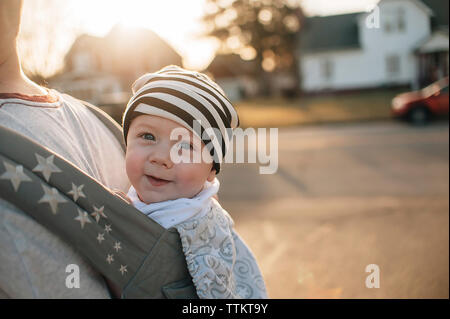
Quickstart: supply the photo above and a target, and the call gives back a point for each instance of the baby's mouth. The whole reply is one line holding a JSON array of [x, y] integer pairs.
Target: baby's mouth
[[155, 181]]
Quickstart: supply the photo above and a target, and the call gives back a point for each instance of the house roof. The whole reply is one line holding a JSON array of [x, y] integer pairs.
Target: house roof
[[437, 42], [125, 52], [230, 65], [139, 39], [330, 32], [440, 12], [341, 31]]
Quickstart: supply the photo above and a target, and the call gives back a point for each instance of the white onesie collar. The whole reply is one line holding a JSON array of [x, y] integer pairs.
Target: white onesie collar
[[172, 212]]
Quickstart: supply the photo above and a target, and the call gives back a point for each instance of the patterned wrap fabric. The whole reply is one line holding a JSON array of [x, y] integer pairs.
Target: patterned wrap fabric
[[220, 263]]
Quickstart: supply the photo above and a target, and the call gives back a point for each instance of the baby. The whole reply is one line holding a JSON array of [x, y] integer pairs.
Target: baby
[[177, 127]]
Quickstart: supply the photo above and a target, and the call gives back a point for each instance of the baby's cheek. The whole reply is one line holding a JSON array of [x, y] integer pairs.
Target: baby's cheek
[[133, 167], [190, 181]]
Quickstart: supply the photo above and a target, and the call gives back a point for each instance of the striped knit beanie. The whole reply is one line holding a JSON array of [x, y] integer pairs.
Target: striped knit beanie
[[185, 97]]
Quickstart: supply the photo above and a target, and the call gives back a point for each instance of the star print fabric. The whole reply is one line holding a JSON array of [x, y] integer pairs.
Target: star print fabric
[[55, 211], [87, 220], [113, 236]]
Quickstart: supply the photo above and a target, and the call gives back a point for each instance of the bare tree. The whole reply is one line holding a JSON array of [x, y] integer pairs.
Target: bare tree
[[47, 30]]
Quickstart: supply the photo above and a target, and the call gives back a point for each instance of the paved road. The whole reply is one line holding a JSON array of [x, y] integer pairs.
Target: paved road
[[344, 197]]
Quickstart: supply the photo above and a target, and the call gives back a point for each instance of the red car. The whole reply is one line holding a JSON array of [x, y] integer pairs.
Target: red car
[[420, 106]]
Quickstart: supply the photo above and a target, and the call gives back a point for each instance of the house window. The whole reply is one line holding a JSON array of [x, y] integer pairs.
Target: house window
[[388, 27], [401, 22], [388, 21], [394, 21], [327, 69], [393, 65]]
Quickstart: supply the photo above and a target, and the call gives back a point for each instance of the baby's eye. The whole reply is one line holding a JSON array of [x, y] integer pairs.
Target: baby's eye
[[148, 136]]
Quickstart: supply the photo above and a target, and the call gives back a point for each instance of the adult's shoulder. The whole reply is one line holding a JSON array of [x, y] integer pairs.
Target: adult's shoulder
[[34, 261], [74, 102]]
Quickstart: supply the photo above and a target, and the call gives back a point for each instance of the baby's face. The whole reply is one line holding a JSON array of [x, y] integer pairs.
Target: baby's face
[[149, 165]]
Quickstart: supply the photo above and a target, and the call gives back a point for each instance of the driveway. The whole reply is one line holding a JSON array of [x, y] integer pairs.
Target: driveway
[[346, 196]]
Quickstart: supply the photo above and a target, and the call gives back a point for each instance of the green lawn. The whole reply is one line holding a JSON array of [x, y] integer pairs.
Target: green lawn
[[279, 112]]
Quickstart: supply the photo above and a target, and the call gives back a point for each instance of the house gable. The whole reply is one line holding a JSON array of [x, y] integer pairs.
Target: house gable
[[421, 5]]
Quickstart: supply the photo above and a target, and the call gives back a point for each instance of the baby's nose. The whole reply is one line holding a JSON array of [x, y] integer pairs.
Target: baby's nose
[[161, 156]]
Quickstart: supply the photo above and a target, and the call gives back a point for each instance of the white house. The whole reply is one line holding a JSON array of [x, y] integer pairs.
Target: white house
[[400, 42]]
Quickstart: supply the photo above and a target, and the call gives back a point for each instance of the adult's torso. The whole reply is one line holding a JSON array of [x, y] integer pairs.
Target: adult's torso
[[68, 128], [33, 259]]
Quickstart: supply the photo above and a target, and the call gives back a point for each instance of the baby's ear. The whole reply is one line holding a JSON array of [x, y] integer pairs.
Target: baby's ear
[[212, 175]]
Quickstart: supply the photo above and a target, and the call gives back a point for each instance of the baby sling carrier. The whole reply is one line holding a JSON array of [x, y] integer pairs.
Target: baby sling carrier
[[131, 250]]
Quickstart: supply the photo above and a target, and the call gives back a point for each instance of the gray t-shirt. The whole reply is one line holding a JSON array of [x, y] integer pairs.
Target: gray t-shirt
[[33, 260]]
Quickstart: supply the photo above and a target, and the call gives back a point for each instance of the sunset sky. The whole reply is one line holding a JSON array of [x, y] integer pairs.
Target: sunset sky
[[176, 21]]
